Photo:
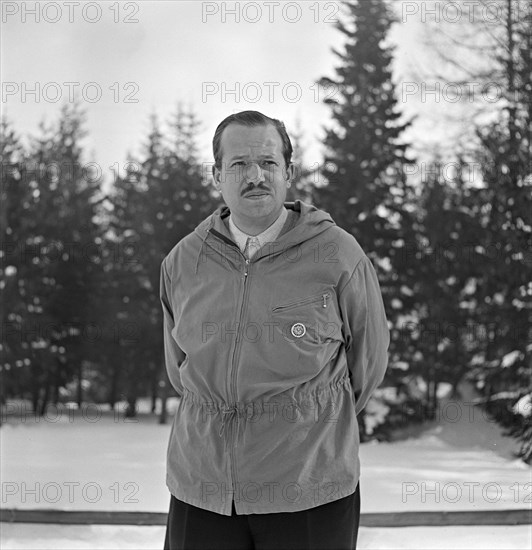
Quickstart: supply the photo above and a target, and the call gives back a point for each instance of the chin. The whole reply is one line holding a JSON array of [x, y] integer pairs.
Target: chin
[[264, 209]]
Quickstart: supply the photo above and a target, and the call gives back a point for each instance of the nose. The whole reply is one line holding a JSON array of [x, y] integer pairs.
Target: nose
[[254, 173]]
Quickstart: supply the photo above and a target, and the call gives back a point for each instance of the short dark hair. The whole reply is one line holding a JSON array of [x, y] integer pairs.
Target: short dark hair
[[250, 118]]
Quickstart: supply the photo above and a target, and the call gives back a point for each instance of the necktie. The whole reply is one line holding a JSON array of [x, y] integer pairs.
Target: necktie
[[252, 245]]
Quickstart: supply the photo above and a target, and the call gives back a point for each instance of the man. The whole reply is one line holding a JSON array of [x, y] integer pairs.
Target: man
[[275, 337]]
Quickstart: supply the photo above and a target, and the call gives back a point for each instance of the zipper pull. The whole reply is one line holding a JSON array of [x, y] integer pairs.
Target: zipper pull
[[325, 300]]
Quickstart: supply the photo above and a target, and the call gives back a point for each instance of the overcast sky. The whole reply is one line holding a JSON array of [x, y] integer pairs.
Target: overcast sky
[[142, 57]]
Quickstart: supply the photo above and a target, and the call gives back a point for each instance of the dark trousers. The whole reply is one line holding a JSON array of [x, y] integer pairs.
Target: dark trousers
[[331, 526]]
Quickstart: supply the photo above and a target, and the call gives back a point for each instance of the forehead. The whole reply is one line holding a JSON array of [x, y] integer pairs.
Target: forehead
[[238, 140]]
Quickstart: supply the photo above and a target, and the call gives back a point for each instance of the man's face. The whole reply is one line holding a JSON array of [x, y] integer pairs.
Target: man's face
[[253, 178]]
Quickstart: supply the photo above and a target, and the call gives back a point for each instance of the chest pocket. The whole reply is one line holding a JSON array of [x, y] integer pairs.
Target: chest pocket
[[307, 333], [304, 335], [312, 318]]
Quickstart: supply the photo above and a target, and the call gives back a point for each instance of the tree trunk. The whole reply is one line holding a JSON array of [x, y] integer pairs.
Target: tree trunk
[[113, 389], [80, 384], [431, 410], [35, 392], [131, 408], [435, 403], [164, 410], [164, 395], [154, 392], [44, 401], [56, 384]]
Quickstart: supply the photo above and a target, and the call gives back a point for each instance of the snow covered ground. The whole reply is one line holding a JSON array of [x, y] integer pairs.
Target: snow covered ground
[[110, 537], [93, 462]]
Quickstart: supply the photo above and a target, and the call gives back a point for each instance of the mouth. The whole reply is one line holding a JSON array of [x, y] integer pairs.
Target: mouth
[[256, 195]]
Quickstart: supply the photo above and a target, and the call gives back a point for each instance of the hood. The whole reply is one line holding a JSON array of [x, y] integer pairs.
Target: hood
[[311, 221]]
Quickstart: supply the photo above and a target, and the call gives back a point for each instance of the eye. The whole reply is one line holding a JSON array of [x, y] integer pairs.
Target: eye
[[269, 162], [238, 163]]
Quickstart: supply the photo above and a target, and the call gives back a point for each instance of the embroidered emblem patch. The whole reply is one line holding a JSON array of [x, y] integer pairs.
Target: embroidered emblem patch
[[298, 330]]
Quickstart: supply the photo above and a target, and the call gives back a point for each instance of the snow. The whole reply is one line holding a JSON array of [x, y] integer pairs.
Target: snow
[[29, 536], [463, 462], [510, 358], [79, 460], [407, 291], [504, 395], [396, 303], [402, 365], [470, 286], [376, 412], [110, 537], [524, 406], [84, 460], [444, 390], [445, 538]]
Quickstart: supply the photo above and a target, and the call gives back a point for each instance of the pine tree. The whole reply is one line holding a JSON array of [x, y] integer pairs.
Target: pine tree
[[67, 260], [16, 203], [128, 291], [364, 164], [440, 275], [155, 205], [501, 356], [180, 201], [364, 144], [119, 283], [504, 204]]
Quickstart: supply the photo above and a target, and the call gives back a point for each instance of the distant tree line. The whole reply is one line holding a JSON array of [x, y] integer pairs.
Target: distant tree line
[[80, 312]]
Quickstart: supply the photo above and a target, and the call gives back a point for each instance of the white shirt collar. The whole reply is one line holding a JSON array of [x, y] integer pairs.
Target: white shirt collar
[[267, 236]]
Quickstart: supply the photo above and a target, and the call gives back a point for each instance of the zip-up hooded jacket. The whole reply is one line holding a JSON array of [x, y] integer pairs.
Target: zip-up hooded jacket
[[273, 358]]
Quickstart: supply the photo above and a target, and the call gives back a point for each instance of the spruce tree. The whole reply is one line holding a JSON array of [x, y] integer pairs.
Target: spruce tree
[[159, 201], [50, 254], [498, 147], [365, 157], [16, 305], [504, 157], [68, 239], [363, 145]]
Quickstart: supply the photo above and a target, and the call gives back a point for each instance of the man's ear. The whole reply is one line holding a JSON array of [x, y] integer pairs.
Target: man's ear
[[216, 176], [290, 172]]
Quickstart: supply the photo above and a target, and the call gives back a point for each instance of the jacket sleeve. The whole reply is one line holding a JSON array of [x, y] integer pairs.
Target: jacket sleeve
[[173, 355], [366, 331]]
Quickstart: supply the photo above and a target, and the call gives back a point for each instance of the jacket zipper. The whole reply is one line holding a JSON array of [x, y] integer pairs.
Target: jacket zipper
[[318, 298], [236, 355], [232, 369]]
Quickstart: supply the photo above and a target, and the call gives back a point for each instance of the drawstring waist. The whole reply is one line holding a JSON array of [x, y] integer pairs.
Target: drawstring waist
[[289, 409], [228, 415]]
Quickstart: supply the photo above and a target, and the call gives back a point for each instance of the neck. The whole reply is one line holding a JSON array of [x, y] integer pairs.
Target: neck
[[254, 226]]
